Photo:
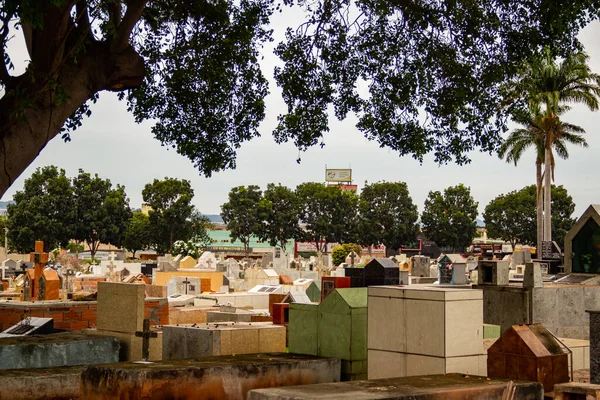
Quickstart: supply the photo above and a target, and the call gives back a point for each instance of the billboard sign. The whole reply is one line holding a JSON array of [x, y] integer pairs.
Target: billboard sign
[[338, 175]]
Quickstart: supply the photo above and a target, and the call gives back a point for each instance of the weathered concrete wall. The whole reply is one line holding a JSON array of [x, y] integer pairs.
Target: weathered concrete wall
[[40, 383], [225, 377], [505, 306], [560, 308], [451, 386], [57, 350]]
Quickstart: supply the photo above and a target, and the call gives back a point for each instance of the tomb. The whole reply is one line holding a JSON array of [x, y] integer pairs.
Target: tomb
[[207, 261], [261, 276], [420, 266], [224, 377], [529, 353], [424, 330], [203, 340], [381, 271], [334, 328], [187, 285], [40, 283], [330, 283], [582, 243], [452, 386], [452, 269], [493, 272], [30, 326], [121, 313], [56, 350], [187, 262], [215, 278]]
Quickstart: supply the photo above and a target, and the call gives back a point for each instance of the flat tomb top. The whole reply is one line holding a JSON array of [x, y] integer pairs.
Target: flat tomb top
[[54, 338], [415, 387], [228, 326]]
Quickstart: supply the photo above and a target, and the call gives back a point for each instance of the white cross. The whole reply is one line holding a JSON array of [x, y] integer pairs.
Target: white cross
[[112, 256]]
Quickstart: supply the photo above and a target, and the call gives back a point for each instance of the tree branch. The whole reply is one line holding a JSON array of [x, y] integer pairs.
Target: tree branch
[[132, 16], [114, 10]]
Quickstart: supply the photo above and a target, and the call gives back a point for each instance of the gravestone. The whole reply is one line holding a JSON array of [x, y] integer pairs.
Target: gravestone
[[207, 261], [532, 276], [420, 266], [382, 271], [404, 278], [184, 285], [120, 307], [187, 262]]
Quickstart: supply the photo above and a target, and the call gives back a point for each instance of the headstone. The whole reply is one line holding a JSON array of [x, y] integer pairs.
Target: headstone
[[207, 261], [120, 307], [420, 266], [532, 276], [187, 262], [404, 278], [184, 285], [551, 250]]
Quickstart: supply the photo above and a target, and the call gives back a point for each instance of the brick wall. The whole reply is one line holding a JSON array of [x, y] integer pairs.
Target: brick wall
[[87, 284], [74, 315]]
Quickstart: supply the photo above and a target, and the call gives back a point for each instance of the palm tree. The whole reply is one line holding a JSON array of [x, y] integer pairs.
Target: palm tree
[[548, 84], [533, 134]]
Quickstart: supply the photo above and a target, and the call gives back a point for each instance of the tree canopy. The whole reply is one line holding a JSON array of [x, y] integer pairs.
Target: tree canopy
[[279, 209], [388, 215], [449, 218], [171, 211], [242, 213], [511, 216], [138, 233], [432, 71], [102, 213], [44, 210]]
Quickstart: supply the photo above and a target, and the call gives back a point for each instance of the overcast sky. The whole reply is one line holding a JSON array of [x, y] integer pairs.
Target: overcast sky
[[112, 145]]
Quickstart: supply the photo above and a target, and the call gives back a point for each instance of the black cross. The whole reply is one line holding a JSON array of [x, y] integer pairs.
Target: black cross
[[186, 283], [24, 267], [146, 334]]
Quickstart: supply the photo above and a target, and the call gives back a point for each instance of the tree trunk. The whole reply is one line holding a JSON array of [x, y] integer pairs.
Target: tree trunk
[[24, 135], [547, 194], [539, 206]]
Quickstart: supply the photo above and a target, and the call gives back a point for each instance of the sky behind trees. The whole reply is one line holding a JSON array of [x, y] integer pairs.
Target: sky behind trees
[[111, 144]]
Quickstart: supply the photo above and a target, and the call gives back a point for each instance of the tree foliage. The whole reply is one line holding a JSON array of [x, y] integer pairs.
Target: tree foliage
[[192, 66], [511, 216], [388, 215], [242, 213], [138, 233], [279, 209], [330, 215], [449, 218], [171, 211], [339, 253], [44, 210], [102, 213]]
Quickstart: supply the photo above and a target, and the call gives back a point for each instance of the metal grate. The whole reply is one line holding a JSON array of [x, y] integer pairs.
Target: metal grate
[[20, 329]]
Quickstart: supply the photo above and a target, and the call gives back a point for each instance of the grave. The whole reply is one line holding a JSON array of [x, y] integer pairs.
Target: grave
[[452, 386], [185, 285], [30, 326], [330, 283], [56, 350], [582, 243], [334, 328], [40, 283], [452, 269], [207, 261], [424, 330], [493, 272], [229, 314], [529, 353], [381, 271], [224, 377], [227, 338], [187, 262], [420, 266], [532, 276], [121, 314], [261, 276], [215, 278]]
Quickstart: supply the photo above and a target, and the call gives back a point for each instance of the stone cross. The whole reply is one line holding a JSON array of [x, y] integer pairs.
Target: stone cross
[[111, 256], [186, 283], [146, 334]]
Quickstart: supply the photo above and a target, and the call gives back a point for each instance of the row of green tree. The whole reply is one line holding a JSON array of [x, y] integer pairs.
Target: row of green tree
[[383, 213], [57, 210]]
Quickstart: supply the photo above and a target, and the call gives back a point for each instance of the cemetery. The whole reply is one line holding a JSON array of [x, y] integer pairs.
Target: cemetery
[[257, 328]]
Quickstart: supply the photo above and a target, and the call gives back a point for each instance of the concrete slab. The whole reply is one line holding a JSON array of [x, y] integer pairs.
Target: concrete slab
[[57, 350], [224, 377], [40, 383], [451, 386]]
